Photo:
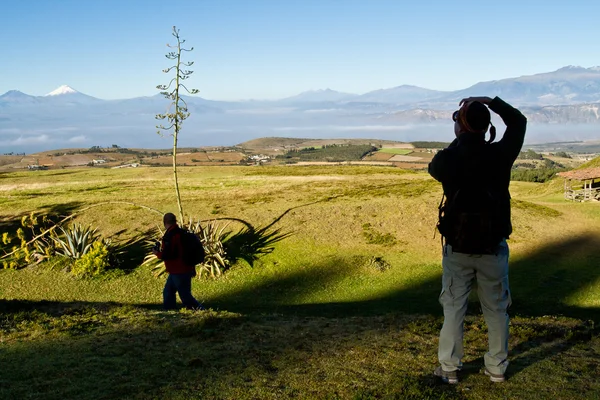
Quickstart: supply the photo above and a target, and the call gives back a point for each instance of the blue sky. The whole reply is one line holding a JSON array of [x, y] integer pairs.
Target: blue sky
[[266, 49]]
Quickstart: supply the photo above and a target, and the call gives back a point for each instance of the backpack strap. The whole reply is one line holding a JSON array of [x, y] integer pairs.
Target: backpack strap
[[441, 207]]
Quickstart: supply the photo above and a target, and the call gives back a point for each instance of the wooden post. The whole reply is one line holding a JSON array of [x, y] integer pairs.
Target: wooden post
[[588, 190]]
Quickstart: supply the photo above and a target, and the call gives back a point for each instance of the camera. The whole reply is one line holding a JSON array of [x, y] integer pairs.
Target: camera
[[156, 246]]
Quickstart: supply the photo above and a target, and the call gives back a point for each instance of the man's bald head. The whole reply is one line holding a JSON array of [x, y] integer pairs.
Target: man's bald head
[[169, 219]]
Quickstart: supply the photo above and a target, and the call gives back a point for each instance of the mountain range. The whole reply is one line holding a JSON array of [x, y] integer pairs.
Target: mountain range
[[565, 100]]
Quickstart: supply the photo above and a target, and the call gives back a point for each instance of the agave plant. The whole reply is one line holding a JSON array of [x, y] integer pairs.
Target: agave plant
[[223, 248], [155, 264], [43, 249], [213, 237], [74, 241], [150, 260]]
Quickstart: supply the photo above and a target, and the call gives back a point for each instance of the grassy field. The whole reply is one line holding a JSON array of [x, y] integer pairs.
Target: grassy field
[[315, 319], [392, 150]]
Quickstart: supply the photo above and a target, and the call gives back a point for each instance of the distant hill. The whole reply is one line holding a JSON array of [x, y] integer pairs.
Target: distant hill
[[400, 95], [575, 114], [568, 85], [17, 97], [112, 157], [271, 143], [591, 164]]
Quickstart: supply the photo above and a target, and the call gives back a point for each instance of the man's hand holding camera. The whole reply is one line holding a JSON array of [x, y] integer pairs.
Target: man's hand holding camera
[[482, 99]]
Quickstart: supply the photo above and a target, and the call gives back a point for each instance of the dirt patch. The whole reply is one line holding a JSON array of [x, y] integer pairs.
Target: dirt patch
[[198, 158], [379, 156], [399, 158], [409, 165], [425, 156], [7, 160], [343, 163]]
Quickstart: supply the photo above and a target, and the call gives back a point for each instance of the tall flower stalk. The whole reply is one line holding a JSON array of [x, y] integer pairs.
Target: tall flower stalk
[[178, 108]]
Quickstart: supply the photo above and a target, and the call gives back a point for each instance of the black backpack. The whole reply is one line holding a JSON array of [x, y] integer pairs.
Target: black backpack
[[468, 221], [193, 250]]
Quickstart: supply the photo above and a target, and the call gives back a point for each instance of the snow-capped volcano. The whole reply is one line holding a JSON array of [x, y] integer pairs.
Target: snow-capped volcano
[[64, 89], [67, 95]]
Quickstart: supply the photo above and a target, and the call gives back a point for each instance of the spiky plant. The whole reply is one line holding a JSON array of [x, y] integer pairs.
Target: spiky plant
[[213, 237], [89, 254], [223, 248], [155, 264], [74, 241], [23, 251], [43, 249]]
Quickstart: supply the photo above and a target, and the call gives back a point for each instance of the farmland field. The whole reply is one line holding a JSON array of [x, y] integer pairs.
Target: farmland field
[[392, 150], [344, 308]]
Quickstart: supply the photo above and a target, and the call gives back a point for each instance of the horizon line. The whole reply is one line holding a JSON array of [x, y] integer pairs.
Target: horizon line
[[592, 68]]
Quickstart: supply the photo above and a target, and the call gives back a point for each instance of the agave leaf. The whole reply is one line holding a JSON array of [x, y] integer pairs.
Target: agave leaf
[[75, 234], [159, 270], [72, 247], [66, 252], [219, 259], [86, 248], [222, 229]]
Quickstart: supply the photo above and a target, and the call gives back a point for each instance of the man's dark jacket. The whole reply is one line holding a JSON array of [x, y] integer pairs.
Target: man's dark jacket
[[172, 252], [470, 162]]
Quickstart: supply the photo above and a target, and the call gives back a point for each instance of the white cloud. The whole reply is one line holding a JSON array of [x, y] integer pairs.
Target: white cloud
[[39, 132], [77, 139], [376, 128], [27, 140], [262, 111], [347, 128], [327, 110]]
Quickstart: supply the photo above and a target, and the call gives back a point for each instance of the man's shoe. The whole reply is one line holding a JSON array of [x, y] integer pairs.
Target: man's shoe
[[497, 378], [450, 377]]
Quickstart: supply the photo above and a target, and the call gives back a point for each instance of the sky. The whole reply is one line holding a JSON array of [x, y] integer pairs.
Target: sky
[[268, 49]]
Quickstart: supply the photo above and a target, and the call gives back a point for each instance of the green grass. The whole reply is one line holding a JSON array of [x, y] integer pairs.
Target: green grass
[[591, 164], [131, 352], [344, 308], [392, 150]]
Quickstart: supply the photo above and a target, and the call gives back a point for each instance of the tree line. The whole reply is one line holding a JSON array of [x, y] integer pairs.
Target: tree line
[[332, 153]]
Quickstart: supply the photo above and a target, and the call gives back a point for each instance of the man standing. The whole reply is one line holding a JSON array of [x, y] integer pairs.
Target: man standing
[[475, 223], [180, 274]]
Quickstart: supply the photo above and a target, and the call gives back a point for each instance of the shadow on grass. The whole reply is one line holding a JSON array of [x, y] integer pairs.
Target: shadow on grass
[[202, 355], [134, 249], [53, 308], [539, 340], [544, 282], [55, 212], [249, 244], [541, 283], [163, 358]]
